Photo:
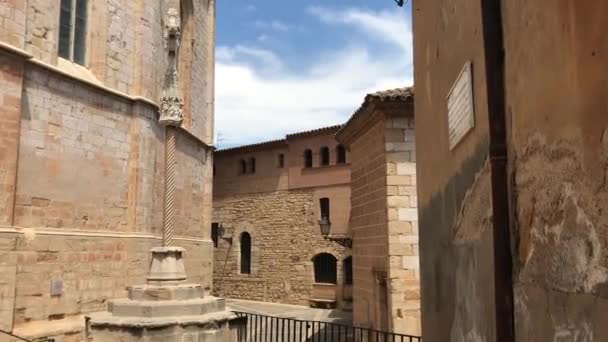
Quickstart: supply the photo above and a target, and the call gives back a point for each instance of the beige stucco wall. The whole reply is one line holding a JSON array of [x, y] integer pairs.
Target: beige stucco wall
[[556, 125], [82, 160]]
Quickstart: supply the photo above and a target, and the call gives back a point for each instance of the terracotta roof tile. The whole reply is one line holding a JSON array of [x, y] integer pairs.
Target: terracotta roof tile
[[390, 95], [255, 145], [328, 129], [316, 131]]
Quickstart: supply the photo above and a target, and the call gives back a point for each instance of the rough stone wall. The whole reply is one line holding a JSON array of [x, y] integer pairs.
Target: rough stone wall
[[72, 138], [92, 269], [404, 263], [86, 163], [285, 237], [11, 79], [42, 30], [558, 111], [368, 223], [12, 22], [202, 71]]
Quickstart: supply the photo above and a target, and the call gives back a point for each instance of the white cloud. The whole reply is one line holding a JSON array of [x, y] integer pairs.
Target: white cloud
[[275, 25], [392, 26], [262, 38], [253, 104], [250, 7]]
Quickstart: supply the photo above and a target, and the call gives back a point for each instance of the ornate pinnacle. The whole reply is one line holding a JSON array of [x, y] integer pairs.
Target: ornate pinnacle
[[171, 102]]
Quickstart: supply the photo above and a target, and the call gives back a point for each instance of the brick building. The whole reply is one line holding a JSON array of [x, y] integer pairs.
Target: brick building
[[384, 215], [268, 197], [512, 182], [81, 154]]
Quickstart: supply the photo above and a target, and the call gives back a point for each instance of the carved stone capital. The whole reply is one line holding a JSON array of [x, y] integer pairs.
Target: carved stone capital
[[171, 111]]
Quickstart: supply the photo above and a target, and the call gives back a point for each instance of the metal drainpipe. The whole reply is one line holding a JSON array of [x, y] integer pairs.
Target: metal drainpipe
[[495, 87]]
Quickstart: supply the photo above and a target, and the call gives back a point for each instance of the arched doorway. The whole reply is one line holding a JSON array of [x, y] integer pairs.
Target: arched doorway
[[326, 270]]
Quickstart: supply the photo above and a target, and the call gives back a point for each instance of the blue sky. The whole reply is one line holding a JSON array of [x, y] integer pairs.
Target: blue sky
[[288, 66]]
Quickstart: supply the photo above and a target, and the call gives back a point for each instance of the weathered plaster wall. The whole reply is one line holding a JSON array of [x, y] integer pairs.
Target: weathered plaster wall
[[558, 110], [285, 237], [455, 250]]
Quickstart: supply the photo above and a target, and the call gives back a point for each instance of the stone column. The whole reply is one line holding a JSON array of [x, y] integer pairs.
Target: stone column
[[167, 308]]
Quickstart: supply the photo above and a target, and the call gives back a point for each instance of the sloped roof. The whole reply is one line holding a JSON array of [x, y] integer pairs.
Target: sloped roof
[[396, 95], [277, 142]]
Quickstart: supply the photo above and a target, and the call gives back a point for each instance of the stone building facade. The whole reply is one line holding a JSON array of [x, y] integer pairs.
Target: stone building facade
[[81, 154], [384, 215], [532, 170], [268, 193]]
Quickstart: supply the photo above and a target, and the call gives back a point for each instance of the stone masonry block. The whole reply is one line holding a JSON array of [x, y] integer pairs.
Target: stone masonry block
[[408, 214], [406, 169], [410, 262]]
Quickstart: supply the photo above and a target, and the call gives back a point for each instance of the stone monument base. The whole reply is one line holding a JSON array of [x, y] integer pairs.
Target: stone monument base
[[165, 310]]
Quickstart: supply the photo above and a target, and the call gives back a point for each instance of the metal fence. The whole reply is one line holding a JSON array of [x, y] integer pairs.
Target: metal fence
[[261, 328]]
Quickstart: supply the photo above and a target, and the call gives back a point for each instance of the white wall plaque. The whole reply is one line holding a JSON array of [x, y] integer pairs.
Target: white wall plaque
[[461, 113]]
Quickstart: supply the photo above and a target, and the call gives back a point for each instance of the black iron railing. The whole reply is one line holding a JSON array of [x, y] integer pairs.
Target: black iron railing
[[261, 328]]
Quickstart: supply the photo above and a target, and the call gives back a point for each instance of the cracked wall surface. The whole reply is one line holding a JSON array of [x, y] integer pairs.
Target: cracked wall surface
[[557, 120], [558, 111]]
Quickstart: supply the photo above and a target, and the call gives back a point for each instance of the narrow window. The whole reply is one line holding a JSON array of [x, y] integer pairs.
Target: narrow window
[[324, 206], [325, 268], [215, 234], [245, 253], [308, 158], [325, 156], [73, 30], [348, 271], [252, 165], [243, 167], [281, 160], [341, 154]]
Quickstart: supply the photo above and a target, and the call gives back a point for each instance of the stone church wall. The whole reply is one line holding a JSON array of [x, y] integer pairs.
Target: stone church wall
[[82, 161]]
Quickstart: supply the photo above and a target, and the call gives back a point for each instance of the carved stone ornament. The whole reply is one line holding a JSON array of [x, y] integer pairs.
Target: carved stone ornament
[[171, 102], [171, 111], [172, 27]]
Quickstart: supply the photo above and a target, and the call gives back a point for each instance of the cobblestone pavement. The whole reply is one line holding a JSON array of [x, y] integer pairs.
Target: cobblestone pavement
[[290, 311]]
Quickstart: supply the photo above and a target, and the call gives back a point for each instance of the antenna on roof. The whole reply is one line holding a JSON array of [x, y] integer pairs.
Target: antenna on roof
[[219, 139]]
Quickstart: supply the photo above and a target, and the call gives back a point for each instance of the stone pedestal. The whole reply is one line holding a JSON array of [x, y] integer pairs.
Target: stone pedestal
[[165, 309]]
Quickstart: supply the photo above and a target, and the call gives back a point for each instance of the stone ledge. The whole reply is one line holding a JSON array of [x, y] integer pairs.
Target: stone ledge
[[39, 329], [165, 308], [106, 319]]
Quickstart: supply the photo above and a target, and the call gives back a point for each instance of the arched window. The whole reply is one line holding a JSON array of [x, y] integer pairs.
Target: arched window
[[325, 268], [341, 154], [242, 167], [245, 253], [252, 165], [324, 155], [348, 271], [308, 158]]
